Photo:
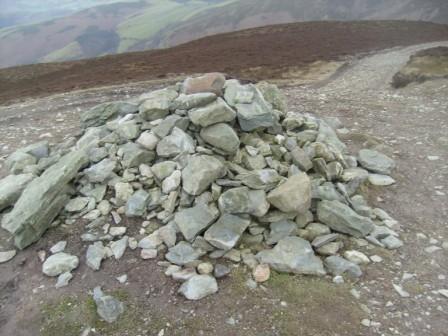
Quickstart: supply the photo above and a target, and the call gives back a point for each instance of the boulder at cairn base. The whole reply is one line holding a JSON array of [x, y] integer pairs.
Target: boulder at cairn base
[[294, 195], [342, 218], [376, 161], [226, 232], [11, 188], [200, 173], [42, 200], [292, 255], [211, 82]]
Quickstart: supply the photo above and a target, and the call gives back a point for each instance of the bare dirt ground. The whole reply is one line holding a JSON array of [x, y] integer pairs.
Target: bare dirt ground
[[411, 125]]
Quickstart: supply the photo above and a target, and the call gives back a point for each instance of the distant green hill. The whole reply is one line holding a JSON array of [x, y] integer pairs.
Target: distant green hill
[[115, 26]]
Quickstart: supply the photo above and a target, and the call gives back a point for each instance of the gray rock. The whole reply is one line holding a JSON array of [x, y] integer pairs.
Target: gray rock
[[380, 180], [226, 232], [294, 195], [200, 172], [157, 104], [329, 137], [194, 221], [95, 255], [182, 253], [163, 169], [262, 179], [235, 93], [39, 149], [59, 263], [391, 242], [17, 162], [242, 200], [301, 159], [273, 95], [221, 136], [100, 172], [123, 192], [324, 239], [42, 200], [148, 140], [128, 130], [102, 113], [77, 204], [327, 191], [137, 204], [257, 114], [11, 187], [280, 230], [134, 155], [167, 125], [198, 287], [216, 112], [221, 271], [176, 143], [338, 266], [7, 256], [119, 247], [107, 307], [63, 279], [376, 161], [292, 255], [342, 218], [96, 154], [58, 247], [191, 101], [172, 182]]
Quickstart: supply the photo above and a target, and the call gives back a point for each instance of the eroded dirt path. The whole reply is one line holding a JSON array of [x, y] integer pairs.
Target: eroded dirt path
[[409, 125]]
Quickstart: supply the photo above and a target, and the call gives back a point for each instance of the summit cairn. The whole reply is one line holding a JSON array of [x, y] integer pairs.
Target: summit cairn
[[212, 170]]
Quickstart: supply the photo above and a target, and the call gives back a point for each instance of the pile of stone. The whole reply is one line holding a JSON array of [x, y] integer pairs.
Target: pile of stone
[[214, 170]]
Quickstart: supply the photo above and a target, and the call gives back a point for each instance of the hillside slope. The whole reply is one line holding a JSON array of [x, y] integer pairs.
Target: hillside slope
[[259, 53], [134, 25]]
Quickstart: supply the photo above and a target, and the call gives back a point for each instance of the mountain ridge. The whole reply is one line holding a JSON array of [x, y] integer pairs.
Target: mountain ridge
[[151, 24]]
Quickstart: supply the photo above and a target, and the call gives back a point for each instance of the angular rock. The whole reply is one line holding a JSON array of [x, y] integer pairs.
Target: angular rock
[[242, 200], [100, 172], [301, 159], [198, 287], [221, 136], [294, 195], [273, 95], [63, 279], [58, 247], [102, 113], [226, 232], [148, 140], [176, 143], [210, 82], [338, 266], [107, 307], [200, 172], [137, 204], [172, 182], [128, 130], [235, 93], [77, 204], [292, 255], [182, 253], [11, 187], [42, 200], [193, 221], [157, 104], [213, 113], [59, 263], [119, 247], [261, 179], [342, 218], [376, 162], [191, 101], [258, 114], [95, 255], [380, 180], [123, 192], [134, 155], [166, 125]]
